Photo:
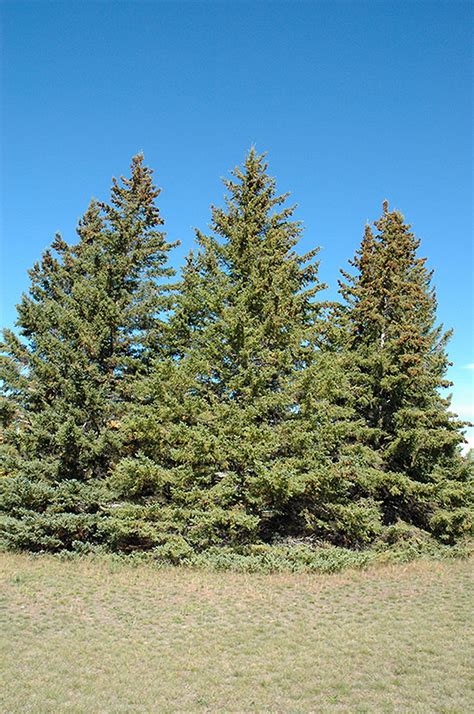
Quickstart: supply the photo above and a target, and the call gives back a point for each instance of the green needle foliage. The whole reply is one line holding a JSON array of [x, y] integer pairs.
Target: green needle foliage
[[397, 356], [235, 413], [236, 437], [86, 329]]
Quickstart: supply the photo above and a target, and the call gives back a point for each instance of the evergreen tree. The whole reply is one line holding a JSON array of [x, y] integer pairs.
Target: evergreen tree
[[253, 414], [397, 360], [88, 326], [235, 439]]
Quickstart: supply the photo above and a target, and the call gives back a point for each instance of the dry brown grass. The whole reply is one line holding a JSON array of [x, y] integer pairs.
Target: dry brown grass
[[92, 637]]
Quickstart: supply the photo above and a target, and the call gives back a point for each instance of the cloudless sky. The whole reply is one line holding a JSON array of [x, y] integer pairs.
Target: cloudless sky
[[354, 101]]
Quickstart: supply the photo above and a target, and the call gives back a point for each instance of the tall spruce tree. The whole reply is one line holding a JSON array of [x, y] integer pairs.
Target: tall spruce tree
[[235, 438], [88, 326], [397, 361]]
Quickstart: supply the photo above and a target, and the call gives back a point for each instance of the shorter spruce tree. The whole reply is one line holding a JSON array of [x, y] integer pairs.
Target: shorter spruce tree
[[397, 361]]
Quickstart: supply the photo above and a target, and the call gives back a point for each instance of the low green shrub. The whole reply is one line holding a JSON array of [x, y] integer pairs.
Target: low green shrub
[[402, 544]]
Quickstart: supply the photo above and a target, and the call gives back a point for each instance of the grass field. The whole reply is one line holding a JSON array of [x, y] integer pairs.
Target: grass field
[[89, 636]]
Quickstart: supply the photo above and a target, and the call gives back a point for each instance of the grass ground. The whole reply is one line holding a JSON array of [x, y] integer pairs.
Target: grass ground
[[89, 636]]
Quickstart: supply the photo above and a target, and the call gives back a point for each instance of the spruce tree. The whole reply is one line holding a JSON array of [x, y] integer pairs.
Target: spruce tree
[[235, 437], [397, 360], [87, 327]]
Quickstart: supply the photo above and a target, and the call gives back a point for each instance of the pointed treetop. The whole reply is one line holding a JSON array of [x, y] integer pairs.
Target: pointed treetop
[[137, 193]]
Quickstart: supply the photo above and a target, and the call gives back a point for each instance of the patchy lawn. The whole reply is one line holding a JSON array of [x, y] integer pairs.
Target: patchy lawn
[[91, 636]]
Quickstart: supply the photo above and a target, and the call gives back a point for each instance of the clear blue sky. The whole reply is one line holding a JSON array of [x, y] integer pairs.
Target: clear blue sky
[[354, 101]]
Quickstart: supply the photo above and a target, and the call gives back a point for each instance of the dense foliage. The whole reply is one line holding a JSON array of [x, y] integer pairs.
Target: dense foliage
[[89, 326], [234, 409]]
